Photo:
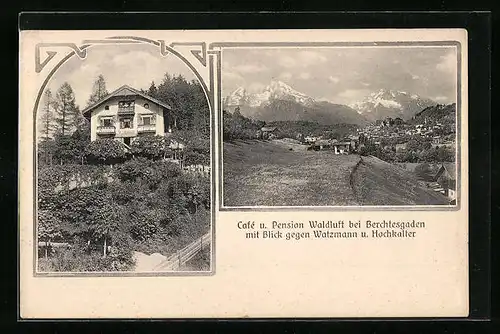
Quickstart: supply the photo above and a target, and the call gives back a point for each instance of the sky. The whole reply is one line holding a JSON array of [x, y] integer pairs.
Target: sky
[[135, 65], [345, 75]]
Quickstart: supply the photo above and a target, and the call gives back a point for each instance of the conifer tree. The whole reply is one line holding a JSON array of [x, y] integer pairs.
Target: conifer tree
[[46, 120], [68, 113], [98, 90]]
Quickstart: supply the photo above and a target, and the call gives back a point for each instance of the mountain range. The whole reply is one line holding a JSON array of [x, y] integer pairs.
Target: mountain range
[[280, 102]]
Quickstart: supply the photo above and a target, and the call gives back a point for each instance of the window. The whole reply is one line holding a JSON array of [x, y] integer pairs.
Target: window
[[106, 107], [146, 105], [106, 121], [148, 120], [126, 123]]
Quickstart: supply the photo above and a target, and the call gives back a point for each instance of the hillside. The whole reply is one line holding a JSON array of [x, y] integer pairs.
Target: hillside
[[377, 182], [278, 173], [441, 113]]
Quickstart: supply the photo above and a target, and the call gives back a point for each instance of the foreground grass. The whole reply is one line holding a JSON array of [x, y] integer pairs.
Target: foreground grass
[[258, 173]]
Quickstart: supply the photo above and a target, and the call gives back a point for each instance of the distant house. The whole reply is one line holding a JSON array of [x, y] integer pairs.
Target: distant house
[[342, 147], [269, 132], [322, 144], [333, 145], [398, 121], [400, 147], [446, 178], [311, 139], [126, 114]]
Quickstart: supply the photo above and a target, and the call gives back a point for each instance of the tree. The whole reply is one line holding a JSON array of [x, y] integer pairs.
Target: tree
[[47, 115], [68, 113], [48, 228], [98, 90], [152, 91]]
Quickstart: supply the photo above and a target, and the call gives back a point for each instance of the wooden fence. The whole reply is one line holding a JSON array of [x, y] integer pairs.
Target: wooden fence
[[175, 261], [198, 170]]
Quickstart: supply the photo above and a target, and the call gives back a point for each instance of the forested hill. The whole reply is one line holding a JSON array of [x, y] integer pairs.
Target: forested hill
[[441, 113], [313, 128], [188, 101]]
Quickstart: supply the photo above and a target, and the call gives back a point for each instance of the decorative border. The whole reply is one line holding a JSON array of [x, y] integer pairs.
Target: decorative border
[[448, 43], [201, 55]]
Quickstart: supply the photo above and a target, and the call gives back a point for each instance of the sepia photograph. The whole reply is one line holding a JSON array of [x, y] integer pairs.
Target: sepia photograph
[[123, 165], [360, 125]]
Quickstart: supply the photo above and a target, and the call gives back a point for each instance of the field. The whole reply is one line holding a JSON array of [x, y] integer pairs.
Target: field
[[258, 173], [280, 173]]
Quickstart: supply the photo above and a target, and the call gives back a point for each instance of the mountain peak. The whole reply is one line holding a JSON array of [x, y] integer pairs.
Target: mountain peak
[[391, 103], [276, 90]]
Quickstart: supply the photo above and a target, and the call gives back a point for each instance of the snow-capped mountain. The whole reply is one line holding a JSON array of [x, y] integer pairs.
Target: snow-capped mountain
[[276, 90], [280, 102], [391, 103]]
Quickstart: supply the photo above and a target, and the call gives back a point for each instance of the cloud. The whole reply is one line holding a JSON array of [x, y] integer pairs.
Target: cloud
[[285, 76], [351, 95], [333, 79], [256, 87], [366, 84], [311, 57], [448, 63], [288, 62], [441, 98], [250, 68], [415, 77], [305, 75], [302, 59]]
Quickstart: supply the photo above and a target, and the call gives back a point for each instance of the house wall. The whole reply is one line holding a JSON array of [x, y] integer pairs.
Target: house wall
[[139, 110]]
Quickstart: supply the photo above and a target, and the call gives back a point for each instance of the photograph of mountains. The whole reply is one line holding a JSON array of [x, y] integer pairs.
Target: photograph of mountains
[[350, 126]]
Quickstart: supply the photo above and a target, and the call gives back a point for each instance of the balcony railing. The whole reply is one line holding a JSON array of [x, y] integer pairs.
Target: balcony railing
[[110, 129], [126, 110], [146, 128]]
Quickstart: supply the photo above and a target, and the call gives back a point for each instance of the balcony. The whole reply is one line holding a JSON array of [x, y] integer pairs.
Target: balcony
[[141, 128], [126, 110], [106, 130]]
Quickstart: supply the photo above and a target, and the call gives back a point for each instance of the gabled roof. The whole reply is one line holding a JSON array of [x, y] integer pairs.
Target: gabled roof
[[447, 167], [268, 129], [125, 90]]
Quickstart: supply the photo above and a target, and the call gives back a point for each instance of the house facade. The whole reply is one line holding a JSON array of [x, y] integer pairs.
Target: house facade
[[446, 178], [126, 114]]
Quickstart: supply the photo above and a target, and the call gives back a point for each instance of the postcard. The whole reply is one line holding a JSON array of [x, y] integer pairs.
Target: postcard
[[243, 173]]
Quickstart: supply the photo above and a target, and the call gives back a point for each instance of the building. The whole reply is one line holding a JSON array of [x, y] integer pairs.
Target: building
[[446, 178], [333, 145], [269, 132], [126, 114], [400, 147]]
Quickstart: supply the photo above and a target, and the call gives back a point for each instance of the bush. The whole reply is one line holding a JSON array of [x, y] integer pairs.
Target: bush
[[194, 158], [107, 151], [151, 147]]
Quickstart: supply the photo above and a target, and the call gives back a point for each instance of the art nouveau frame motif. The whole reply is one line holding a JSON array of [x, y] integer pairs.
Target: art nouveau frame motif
[[194, 55]]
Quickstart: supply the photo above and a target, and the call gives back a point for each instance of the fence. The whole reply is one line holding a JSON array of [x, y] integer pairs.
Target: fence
[[199, 170], [175, 261]]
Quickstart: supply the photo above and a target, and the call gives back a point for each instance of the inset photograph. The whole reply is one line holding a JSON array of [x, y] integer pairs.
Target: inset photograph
[[123, 165], [340, 126]]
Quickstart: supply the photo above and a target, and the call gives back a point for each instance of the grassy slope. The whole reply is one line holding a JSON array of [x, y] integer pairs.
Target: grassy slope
[[260, 173], [377, 182]]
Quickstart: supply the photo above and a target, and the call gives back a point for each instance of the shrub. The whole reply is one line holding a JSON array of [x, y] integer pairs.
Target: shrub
[[107, 151], [151, 147]]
